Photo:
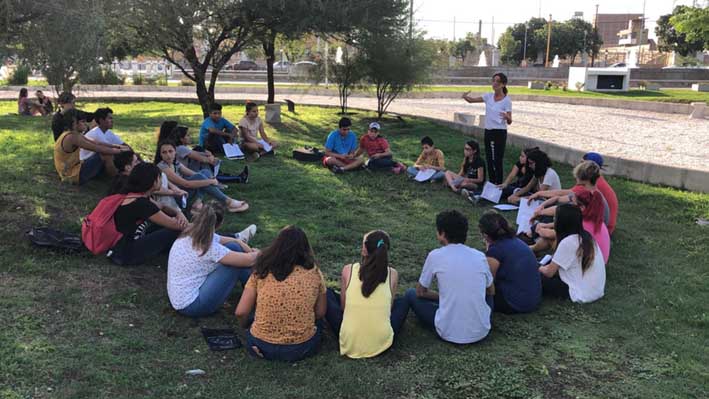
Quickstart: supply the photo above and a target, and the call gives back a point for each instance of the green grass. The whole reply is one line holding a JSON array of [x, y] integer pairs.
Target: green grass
[[81, 327]]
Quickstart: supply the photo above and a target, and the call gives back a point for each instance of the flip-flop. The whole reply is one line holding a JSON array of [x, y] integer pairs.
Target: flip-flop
[[240, 208]]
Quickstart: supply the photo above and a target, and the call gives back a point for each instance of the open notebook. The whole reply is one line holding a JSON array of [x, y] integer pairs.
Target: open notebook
[[232, 151]]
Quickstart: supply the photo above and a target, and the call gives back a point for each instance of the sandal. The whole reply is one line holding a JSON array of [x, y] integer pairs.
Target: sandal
[[237, 206]]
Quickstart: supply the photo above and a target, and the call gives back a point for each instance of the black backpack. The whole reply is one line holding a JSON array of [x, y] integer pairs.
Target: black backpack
[[46, 237], [308, 154]]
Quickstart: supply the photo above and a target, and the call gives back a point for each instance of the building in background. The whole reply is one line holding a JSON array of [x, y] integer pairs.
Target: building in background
[[609, 25]]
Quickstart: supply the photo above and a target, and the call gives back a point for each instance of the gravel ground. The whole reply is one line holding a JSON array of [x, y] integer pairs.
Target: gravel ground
[[667, 139]]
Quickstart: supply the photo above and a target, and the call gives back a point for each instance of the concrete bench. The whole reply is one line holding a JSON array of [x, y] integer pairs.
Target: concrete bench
[[698, 111]]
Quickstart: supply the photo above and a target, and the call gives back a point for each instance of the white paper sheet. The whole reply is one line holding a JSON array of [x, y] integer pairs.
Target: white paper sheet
[[526, 211], [506, 207], [266, 147], [216, 167], [424, 175], [232, 151], [491, 192]]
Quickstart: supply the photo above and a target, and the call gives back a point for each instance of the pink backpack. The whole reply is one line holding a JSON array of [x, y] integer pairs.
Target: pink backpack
[[98, 230]]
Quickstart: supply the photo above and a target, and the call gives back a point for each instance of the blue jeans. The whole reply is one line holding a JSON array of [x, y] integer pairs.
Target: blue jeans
[[286, 353], [217, 287], [211, 190], [90, 168], [425, 309], [399, 311], [413, 171], [135, 252]]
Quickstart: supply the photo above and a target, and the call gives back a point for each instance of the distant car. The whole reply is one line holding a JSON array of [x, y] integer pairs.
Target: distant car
[[618, 65], [305, 63], [245, 66], [282, 65]]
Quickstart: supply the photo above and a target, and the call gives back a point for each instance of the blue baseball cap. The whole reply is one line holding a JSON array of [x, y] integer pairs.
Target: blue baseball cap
[[595, 157]]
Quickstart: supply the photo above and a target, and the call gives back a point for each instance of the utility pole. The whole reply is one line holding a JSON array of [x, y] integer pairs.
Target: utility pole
[[595, 31], [480, 28], [524, 49], [411, 19], [540, 8], [546, 63], [454, 28], [492, 35]]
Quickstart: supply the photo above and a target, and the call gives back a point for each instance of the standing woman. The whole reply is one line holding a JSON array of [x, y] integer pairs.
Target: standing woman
[[498, 114]]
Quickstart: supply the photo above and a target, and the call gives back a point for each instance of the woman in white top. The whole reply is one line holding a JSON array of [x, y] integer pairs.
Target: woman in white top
[[498, 114], [203, 267], [577, 270]]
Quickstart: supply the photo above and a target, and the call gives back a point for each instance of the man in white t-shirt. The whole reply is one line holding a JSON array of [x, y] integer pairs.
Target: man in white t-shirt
[[460, 311], [96, 163]]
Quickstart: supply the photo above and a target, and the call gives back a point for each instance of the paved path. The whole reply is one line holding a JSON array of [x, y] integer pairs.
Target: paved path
[[665, 139]]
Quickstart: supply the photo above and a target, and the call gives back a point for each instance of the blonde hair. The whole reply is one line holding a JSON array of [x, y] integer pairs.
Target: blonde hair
[[203, 226], [587, 171]]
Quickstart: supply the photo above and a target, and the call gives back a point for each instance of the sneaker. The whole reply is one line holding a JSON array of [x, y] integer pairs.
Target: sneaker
[[396, 170], [222, 186], [255, 156], [272, 153], [246, 234], [337, 169], [244, 175], [465, 193]]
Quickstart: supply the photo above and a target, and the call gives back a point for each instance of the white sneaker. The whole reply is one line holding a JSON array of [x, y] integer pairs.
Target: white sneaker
[[246, 234]]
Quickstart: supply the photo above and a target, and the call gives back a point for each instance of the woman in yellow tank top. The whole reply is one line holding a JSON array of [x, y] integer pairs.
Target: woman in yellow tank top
[[365, 314]]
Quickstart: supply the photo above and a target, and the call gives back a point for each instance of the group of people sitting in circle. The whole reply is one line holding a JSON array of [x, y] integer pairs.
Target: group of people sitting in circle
[[285, 304]]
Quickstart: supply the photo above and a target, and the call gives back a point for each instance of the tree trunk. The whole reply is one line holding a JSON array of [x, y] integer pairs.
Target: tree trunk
[[203, 95], [269, 49]]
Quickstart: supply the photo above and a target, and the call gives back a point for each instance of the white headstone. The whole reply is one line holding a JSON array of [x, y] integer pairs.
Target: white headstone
[[555, 63], [482, 62]]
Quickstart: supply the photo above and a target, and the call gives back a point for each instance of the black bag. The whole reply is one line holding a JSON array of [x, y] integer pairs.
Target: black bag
[[46, 237], [308, 154], [221, 339]]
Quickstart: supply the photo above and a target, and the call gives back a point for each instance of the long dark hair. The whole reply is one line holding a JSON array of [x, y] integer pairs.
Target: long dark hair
[[375, 266], [23, 93], [141, 179], [503, 80], [495, 226], [476, 147], [165, 133], [158, 157], [568, 221], [541, 162], [290, 248], [203, 226]]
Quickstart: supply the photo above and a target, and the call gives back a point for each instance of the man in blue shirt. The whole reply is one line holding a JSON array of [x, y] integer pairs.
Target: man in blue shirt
[[216, 131], [340, 149]]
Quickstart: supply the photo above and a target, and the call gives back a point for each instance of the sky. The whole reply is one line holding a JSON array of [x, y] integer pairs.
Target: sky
[[436, 17]]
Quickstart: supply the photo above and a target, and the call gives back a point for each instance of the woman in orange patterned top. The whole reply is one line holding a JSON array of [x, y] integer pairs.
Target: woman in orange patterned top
[[288, 292]]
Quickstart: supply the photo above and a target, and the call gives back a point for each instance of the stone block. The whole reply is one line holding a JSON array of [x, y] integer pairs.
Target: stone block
[[273, 113], [700, 87], [698, 110], [464, 118], [535, 85]]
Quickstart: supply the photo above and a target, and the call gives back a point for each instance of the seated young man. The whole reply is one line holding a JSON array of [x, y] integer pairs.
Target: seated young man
[[460, 311], [98, 163], [378, 151], [430, 158], [340, 149], [216, 131], [251, 127]]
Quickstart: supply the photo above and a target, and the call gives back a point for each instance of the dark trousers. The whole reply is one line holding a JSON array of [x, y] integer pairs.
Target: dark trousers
[[215, 143], [554, 287], [381, 163], [399, 311], [495, 140], [136, 252], [286, 353]]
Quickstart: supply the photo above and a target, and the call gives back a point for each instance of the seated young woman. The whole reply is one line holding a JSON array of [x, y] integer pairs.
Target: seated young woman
[[147, 230], [519, 176], [198, 160], [203, 267], [513, 266], [197, 183], [471, 176], [287, 291], [543, 176], [577, 270], [365, 315]]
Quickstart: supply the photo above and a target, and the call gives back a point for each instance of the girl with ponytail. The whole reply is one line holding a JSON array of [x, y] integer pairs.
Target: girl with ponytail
[[513, 266], [498, 114], [203, 266], [365, 314], [577, 270]]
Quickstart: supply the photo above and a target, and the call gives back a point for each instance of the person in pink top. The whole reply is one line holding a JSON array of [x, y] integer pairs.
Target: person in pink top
[[607, 191]]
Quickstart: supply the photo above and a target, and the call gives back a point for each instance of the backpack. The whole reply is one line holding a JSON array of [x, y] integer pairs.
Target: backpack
[[308, 154], [46, 237], [98, 230]]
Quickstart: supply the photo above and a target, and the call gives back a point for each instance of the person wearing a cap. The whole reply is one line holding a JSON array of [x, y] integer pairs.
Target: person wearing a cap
[[378, 151], [605, 189], [340, 149], [66, 148]]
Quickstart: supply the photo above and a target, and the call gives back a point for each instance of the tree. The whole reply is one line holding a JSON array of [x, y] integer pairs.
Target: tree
[[394, 64], [511, 42], [347, 74], [462, 47], [14, 15], [670, 39], [197, 36], [693, 22]]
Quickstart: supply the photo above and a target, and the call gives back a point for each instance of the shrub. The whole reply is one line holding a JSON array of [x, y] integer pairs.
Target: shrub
[[187, 82], [579, 86], [20, 76], [643, 84], [101, 76], [138, 79], [563, 86], [548, 85]]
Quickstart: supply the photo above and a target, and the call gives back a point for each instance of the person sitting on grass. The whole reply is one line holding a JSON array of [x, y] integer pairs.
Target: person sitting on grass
[[340, 149], [544, 177], [251, 127], [25, 106], [147, 230], [216, 131], [430, 158], [378, 151], [577, 270], [460, 313], [66, 102], [365, 315], [606, 190], [196, 183], [471, 177], [519, 176], [66, 149], [124, 163], [203, 267], [513, 266], [287, 291], [98, 163], [45, 106]]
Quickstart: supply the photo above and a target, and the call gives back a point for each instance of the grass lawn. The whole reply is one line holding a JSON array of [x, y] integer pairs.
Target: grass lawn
[[80, 327]]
